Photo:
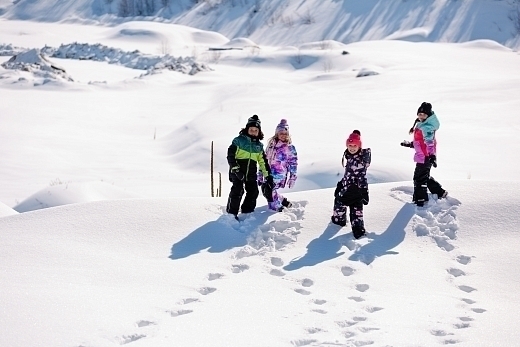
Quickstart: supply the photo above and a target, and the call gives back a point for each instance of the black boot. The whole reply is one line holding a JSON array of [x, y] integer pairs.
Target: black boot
[[286, 203], [336, 221], [358, 232]]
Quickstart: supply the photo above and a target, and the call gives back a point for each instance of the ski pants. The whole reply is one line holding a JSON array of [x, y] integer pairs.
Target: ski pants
[[422, 182], [339, 215], [236, 193], [276, 204]]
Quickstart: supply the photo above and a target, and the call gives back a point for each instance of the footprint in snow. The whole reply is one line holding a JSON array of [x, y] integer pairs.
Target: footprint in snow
[[307, 282], [215, 276], [456, 272], [304, 342], [362, 287], [356, 298], [275, 261], [464, 259], [206, 290], [319, 311], [347, 271], [126, 339], [347, 323], [277, 272], [178, 313], [238, 268], [372, 309], [302, 291], [466, 289], [314, 330], [144, 323]]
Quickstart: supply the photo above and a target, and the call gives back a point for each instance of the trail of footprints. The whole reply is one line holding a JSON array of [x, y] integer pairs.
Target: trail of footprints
[[272, 237], [468, 305], [356, 329]]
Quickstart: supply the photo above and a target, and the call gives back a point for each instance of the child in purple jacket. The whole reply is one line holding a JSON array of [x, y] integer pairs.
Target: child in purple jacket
[[352, 190], [283, 161]]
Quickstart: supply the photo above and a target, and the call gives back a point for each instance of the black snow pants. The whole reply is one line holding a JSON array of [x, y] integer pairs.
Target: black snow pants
[[422, 182], [236, 193]]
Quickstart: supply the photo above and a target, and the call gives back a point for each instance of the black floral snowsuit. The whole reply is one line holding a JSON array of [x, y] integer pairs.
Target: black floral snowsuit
[[352, 190]]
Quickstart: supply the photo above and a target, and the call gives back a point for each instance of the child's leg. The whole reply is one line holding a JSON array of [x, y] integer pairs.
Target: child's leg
[[356, 220], [420, 183], [339, 215], [356, 216], [235, 195], [277, 201], [249, 203], [435, 187]]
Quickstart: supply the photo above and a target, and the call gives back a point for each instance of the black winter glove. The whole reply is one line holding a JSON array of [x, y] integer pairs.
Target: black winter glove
[[432, 159], [238, 174], [339, 186], [407, 144], [269, 182], [364, 194]]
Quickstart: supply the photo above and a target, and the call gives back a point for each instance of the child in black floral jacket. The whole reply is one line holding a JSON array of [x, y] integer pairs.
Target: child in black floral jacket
[[352, 189]]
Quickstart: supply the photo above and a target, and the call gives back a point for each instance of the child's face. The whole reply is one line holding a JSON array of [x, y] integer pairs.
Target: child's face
[[422, 116], [283, 135], [253, 131], [352, 148]]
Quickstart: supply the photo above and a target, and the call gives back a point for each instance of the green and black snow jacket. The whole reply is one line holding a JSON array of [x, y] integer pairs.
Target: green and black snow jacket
[[245, 152]]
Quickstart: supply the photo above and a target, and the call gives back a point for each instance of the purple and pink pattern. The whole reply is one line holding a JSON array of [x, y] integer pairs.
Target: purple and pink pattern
[[283, 161]]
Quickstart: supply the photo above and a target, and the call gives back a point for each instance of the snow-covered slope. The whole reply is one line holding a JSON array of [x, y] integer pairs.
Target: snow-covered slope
[[281, 22], [155, 272]]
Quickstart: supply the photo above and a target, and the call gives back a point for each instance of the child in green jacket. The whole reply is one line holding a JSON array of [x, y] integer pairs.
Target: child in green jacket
[[245, 152]]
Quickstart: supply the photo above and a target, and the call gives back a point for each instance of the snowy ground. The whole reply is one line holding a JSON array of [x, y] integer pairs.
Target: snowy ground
[[109, 236]]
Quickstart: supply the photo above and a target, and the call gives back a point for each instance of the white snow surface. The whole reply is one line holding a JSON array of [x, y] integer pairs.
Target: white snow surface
[[108, 233]]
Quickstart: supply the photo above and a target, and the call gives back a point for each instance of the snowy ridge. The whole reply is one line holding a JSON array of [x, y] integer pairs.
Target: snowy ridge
[[133, 60], [35, 65]]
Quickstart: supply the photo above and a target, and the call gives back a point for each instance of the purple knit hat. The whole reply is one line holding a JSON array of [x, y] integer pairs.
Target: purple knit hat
[[282, 126]]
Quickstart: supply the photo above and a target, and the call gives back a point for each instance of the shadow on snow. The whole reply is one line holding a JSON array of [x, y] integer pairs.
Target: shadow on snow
[[218, 236], [328, 246]]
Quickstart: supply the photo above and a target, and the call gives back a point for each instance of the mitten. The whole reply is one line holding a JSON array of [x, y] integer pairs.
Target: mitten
[[364, 195], [339, 186], [238, 174], [291, 181], [269, 182], [407, 144], [432, 159], [260, 178]]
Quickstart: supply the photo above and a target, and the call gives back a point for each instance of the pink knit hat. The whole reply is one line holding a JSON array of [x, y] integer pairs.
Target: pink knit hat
[[283, 126], [354, 138]]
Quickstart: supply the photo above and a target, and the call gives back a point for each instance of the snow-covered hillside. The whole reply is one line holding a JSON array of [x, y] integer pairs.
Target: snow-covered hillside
[[282, 22]]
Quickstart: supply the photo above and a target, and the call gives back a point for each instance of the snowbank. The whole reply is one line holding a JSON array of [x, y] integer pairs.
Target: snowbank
[[35, 62]]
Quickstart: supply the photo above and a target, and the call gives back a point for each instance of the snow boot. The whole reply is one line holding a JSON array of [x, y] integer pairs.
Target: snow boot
[[358, 232], [336, 221], [286, 203]]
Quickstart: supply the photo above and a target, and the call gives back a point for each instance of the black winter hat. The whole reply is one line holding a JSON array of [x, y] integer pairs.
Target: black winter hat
[[254, 121], [425, 108]]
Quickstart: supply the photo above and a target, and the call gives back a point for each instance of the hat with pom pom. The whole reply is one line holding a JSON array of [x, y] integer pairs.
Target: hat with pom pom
[[282, 126], [354, 138], [253, 121], [425, 108]]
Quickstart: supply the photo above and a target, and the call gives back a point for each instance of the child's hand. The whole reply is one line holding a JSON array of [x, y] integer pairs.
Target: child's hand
[[291, 181], [238, 174], [407, 144], [432, 159], [364, 194]]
